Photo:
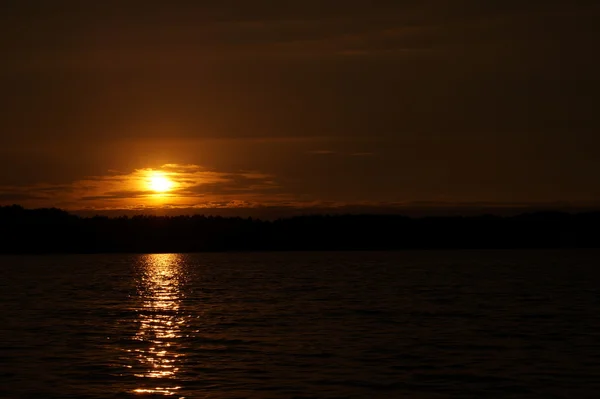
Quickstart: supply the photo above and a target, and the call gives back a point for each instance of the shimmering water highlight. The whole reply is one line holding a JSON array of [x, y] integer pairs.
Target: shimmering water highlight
[[457, 324]]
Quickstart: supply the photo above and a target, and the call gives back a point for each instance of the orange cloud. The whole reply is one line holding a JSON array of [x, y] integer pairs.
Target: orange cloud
[[193, 186]]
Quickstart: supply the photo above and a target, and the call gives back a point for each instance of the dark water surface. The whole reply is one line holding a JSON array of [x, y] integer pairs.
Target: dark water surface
[[302, 325]]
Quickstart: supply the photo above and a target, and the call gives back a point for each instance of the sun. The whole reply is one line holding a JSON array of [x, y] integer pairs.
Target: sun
[[159, 183]]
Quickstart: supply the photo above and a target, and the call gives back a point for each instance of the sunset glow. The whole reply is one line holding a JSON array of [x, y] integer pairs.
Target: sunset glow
[[159, 182], [319, 105]]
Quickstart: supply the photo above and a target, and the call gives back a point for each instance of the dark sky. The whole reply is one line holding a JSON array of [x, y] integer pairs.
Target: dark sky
[[299, 103]]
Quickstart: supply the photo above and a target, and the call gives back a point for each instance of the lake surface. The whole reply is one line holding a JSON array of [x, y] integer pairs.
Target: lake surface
[[416, 324]]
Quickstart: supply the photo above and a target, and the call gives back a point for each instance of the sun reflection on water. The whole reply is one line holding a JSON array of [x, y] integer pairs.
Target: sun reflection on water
[[160, 323]]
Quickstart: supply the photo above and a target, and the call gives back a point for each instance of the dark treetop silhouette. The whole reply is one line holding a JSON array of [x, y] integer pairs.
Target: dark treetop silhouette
[[57, 231]]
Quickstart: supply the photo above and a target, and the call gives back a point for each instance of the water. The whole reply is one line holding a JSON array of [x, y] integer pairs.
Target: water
[[301, 325]]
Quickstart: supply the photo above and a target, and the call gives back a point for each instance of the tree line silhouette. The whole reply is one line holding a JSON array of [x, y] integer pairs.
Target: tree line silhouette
[[52, 230]]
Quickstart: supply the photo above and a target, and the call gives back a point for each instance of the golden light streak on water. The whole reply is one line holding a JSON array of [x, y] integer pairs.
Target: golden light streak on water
[[160, 322]]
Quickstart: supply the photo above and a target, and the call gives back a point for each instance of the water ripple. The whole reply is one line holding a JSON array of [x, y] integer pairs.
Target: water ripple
[[311, 325]]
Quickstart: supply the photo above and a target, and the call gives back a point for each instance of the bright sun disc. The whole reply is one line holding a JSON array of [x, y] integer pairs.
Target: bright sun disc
[[160, 183]]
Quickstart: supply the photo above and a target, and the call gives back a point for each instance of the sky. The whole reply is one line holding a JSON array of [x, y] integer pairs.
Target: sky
[[301, 104]]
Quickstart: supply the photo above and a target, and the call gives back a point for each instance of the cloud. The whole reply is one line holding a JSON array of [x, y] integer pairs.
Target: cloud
[[24, 194], [285, 208], [331, 152], [193, 186], [161, 34], [117, 195], [7, 196], [177, 35]]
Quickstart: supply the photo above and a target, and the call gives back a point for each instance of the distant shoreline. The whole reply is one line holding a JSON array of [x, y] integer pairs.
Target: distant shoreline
[[54, 231]]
